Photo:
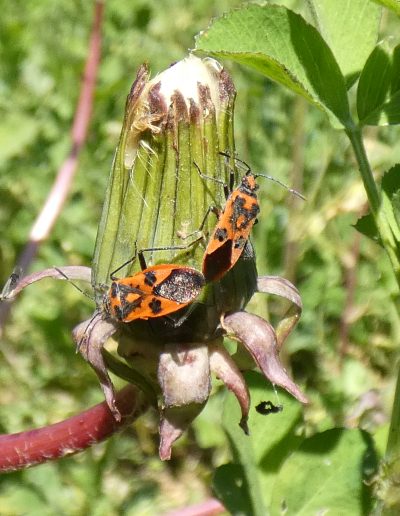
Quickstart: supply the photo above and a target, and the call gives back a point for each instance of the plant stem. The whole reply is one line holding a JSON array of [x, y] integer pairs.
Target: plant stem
[[390, 474], [387, 490], [354, 133], [378, 209], [62, 185], [32, 447]]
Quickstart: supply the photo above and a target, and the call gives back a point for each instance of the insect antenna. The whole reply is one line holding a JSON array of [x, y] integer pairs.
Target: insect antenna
[[247, 168], [291, 190], [73, 284]]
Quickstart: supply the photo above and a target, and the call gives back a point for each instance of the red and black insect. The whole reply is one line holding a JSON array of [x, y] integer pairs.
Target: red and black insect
[[153, 292], [234, 225], [232, 231]]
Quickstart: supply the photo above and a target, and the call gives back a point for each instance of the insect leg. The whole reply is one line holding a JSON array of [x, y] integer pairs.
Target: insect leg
[[247, 169], [131, 260], [210, 209], [227, 189], [142, 260]]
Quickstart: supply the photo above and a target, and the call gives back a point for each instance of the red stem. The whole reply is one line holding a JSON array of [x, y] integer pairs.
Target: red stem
[[55, 201], [26, 449], [63, 182]]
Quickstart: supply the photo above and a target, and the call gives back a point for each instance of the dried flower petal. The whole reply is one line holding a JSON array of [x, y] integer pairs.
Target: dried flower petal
[[283, 288], [223, 366], [90, 337], [72, 272], [259, 338]]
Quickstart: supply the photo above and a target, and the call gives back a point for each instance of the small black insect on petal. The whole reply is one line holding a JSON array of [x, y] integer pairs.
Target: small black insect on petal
[[267, 407]]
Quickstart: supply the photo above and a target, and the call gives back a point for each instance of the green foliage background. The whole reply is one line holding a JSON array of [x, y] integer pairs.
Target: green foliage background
[[345, 344]]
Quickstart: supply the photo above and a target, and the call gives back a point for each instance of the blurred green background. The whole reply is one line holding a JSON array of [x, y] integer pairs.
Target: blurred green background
[[344, 350]]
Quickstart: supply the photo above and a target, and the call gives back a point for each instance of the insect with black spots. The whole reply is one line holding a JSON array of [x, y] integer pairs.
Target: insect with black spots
[[153, 292], [235, 223]]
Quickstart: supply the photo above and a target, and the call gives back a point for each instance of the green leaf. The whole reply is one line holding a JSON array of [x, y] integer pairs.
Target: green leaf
[[281, 45], [47, 481], [391, 181], [326, 475], [378, 92], [207, 424], [395, 86], [396, 206], [231, 487], [272, 437], [381, 438], [375, 81], [387, 114], [350, 28], [393, 5], [367, 227], [391, 199]]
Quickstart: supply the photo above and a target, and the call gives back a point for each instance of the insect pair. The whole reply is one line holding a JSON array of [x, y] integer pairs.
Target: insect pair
[[164, 289]]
